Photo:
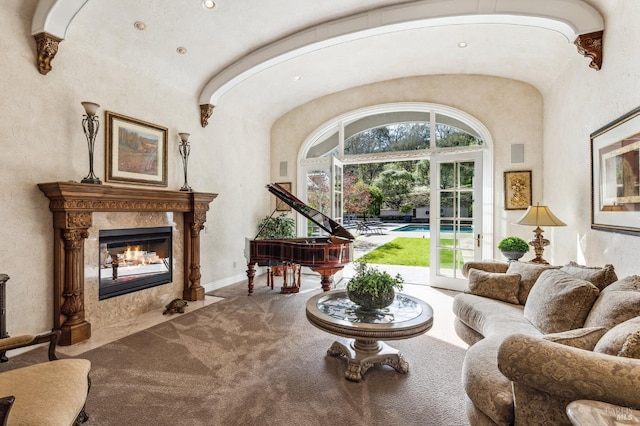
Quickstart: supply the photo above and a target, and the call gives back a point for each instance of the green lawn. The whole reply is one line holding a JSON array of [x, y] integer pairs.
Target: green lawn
[[409, 252]]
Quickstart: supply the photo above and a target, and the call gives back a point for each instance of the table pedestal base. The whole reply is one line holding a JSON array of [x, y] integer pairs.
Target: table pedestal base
[[363, 354]]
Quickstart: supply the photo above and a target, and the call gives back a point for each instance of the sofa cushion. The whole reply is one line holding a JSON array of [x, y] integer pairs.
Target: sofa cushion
[[497, 286], [488, 316], [598, 276], [582, 338], [617, 303], [529, 273], [614, 339], [559, 301]]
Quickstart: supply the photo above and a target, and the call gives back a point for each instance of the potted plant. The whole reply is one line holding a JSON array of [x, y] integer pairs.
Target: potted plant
[[274, 227], [371, 288], [513, 248]]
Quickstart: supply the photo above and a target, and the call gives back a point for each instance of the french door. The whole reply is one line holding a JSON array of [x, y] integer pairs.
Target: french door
[[323, 191], [456, 217]]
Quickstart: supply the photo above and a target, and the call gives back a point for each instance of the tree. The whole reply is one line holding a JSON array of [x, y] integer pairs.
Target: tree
[[357, 198], [395, 185], [376, 200]]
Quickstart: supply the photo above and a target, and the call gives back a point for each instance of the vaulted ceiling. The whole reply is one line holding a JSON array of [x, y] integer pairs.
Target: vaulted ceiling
[[269, 56]]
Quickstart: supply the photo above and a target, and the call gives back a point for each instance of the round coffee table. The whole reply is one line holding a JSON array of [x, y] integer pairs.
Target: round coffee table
[[334, 313]]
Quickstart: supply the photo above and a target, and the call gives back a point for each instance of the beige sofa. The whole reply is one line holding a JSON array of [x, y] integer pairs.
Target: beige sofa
[[543, 336]]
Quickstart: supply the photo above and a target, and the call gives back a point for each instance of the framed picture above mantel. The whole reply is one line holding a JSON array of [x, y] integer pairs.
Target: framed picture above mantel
[[615, 175], [136, 151]]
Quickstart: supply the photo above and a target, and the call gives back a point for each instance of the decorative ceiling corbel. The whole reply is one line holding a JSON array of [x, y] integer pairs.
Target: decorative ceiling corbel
[[205, 113], [590, 46], [46, 49]]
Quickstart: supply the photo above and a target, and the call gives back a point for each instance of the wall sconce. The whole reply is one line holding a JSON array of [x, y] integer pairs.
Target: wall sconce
[[539, 216], [185, 149], [90, 125]]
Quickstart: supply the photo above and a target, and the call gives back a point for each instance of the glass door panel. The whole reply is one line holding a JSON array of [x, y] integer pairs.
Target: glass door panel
[[456, 221]]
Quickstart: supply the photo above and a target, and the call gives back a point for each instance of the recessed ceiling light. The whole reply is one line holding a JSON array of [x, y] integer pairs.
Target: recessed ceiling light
[[462, 44], [297, 77], [181, 50], [209, 4], [140, 25]]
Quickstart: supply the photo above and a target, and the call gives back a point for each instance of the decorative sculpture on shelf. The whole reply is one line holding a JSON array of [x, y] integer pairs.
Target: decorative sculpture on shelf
[[90, 125], [185, 149]]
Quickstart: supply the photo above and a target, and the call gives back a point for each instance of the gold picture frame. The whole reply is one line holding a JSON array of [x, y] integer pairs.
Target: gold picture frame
[[281, 206], [517, 190], [615, 173], [136, 151]]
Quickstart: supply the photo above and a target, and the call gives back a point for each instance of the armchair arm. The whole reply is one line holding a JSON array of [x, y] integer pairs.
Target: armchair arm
[[22, 341], [569, 373]]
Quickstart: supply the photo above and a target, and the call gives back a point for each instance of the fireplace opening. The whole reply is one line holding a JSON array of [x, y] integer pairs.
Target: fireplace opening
[[134, 259]]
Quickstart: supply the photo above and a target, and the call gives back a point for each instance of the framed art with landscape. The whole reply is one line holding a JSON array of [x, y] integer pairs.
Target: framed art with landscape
[[615, 175], [136, 151]]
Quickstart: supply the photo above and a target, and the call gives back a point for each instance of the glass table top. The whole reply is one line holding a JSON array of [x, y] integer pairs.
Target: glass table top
[[338, 306]]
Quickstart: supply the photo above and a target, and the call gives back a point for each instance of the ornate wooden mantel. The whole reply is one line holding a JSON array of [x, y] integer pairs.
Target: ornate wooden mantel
[[73, 204]]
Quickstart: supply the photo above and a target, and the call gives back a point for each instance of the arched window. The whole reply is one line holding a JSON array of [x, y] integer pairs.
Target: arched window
[[451, 146]]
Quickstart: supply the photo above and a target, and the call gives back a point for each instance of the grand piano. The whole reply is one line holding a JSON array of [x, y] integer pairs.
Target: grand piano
[[324, 255]]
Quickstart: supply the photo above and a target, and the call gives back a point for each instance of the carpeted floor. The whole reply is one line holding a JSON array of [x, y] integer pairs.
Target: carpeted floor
[[258, 361]]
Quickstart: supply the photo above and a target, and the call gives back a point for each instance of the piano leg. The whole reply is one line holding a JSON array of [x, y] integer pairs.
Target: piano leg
[[326, 276], [251, 272]]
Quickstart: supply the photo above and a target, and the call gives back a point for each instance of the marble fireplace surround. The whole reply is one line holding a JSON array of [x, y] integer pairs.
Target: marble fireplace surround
[[73, 205]]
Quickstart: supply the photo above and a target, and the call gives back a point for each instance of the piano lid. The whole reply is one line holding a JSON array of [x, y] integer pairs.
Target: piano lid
[[320, 219]]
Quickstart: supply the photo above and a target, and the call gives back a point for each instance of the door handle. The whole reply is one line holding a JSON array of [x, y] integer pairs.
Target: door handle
[[478, 238]]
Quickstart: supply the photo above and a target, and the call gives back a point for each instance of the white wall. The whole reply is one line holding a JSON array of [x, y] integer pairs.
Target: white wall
[[511, 110], [42, 141], [582, 101]]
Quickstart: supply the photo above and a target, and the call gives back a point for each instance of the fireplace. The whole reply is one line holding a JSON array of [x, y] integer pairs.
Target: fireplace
[[134, 259]]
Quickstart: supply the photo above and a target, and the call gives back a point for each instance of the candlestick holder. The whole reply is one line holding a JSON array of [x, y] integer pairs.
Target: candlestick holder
[[90, 125], [185, 149]]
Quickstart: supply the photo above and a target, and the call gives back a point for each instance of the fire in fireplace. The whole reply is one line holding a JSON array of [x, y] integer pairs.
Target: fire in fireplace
[[134, 259]]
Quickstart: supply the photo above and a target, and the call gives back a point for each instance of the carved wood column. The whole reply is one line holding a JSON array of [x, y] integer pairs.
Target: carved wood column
[[193, 224], [70, 231], [73, 204]]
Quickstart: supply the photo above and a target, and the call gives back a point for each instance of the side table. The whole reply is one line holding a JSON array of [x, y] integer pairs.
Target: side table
[[586, 413], [334, 313]]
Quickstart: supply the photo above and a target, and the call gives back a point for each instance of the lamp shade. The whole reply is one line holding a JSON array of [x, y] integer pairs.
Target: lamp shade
[[91, 108], [539, 216]]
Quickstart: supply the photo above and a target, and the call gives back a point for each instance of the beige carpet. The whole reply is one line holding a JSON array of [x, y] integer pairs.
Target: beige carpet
[[257, 361]]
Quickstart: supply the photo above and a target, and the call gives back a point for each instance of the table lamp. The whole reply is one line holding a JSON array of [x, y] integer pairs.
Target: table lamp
[[539, 216]]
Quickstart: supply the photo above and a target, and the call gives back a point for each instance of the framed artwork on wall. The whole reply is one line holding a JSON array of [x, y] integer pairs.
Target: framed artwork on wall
[[281, 206], [517, 190], [136, 151], [615, 175]]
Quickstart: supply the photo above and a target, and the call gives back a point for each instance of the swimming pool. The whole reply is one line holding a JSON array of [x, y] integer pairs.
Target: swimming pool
[[425, 228]]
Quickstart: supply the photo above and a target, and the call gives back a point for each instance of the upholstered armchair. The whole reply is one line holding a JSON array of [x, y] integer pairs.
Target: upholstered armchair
[[49, 393], [548, 375]]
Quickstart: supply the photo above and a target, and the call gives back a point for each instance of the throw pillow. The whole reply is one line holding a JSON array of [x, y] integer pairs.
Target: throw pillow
[[559, 302], [631, 346], [582, 338], [600, 277], [614, 339], [497, 286], [529, 273], [484, 265], [617, 303]]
